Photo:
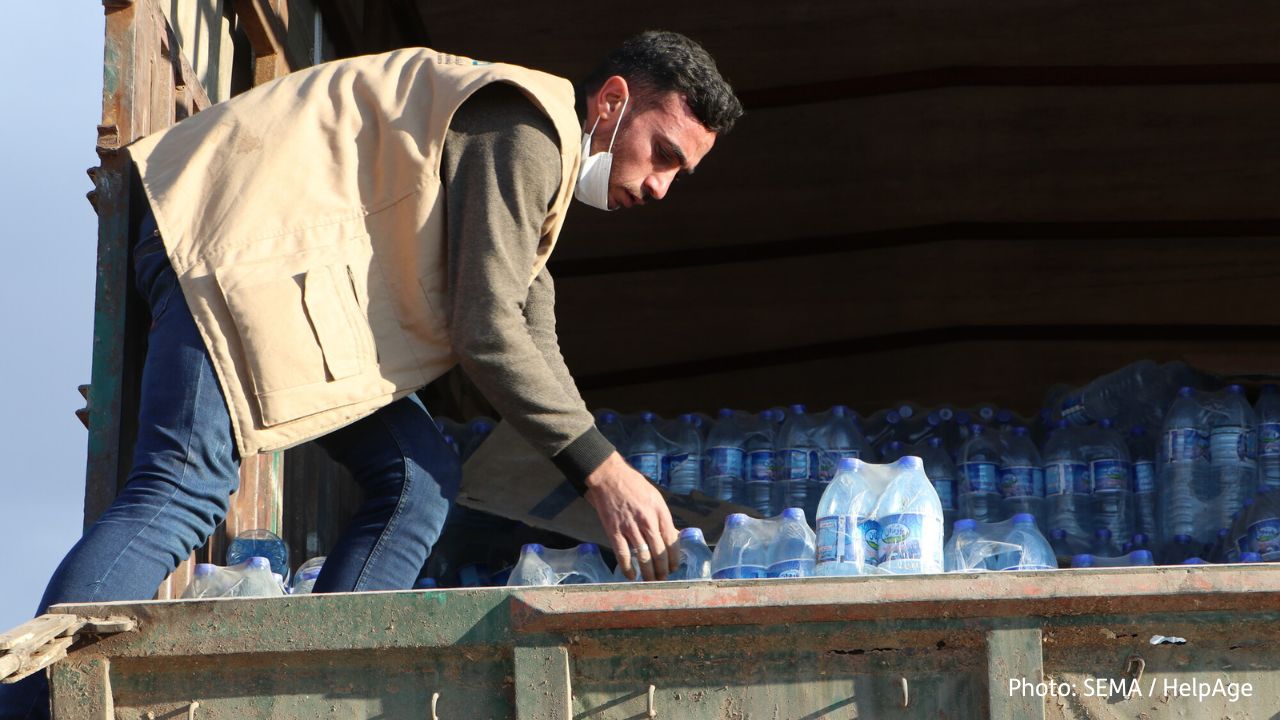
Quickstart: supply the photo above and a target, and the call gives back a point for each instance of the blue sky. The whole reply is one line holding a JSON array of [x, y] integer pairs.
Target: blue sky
[[50, 105]]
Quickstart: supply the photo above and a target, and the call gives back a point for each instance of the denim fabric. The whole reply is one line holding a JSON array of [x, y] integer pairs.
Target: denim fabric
[[185, 467]]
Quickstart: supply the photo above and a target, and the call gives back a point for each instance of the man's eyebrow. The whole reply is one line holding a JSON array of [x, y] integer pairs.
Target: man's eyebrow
[[674, 149]]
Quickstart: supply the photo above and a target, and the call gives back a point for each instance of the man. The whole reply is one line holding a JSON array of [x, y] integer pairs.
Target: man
[[321, 247]]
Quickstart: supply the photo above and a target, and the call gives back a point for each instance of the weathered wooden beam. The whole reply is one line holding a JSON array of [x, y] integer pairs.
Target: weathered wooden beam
[[268, 34], [38, 631]]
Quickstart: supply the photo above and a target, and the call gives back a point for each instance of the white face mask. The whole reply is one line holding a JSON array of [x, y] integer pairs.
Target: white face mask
[[593, 175]]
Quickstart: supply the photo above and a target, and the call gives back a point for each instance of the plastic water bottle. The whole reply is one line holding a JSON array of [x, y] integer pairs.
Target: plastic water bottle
[[1112, 476], [892, 451], [1021, 477], [979, 476], [1033, 551], [695, 556], [1179, 549], [1142, 452], [967, 550], [684, 461], [1061, 549], [1268, 411], [724, 459], [910, 518], [255, 579], [792, 552], [884, 427], [209, 581], [848, 537], [305, 578], [1103, 543], [838, 437], [740, 553], [1068, 487], [1262, 533], [1233, 452], [759, 472], [532, 568], [610, 425], [260, 543], [1185, 486], [797, 460], [937, 465], [1136, 393], [1250, 557], [588, 566], [648, 450], [480, 429]]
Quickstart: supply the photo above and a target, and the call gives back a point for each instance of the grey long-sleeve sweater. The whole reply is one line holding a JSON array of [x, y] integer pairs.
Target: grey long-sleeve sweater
[[501, 170]]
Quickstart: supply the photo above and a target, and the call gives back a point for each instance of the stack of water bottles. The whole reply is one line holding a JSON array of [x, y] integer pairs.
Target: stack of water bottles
[[257, 566]]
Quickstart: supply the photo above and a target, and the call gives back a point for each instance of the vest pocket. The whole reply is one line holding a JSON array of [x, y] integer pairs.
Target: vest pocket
[[303, 331]]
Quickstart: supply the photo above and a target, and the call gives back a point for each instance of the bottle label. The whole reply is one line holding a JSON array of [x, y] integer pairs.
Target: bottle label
[[829, 462], [1234, 444], [676, 465], [1264, 538], [791, 569], [1184, 445], [725, 462], [740, 572], [904, 536], [946, 488], [1021, 481], [648, 465], [1144, 477], [795, 464], [845, 538], [1269, 440], [1111, 476], [979, 477], [760, 465], [1067, 478]]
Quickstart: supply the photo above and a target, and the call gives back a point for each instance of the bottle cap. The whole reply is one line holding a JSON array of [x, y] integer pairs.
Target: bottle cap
[[725, 413], [894, 445], [1185, 391], [1235, 389], [1106, 423], [689, 419], [847, 464], [646, 417], [533, 548], [426, 584], [906, 411], [1195, 561], [793, 513], [987, 412], [1140, 539], [204, 569], [692, 533], [1058, 534], [1004, 416], [1250, 557], [892, 417], [1020, 431], [797, 409], [607, 416], [1182, 539], [1024, 518], [839, 410], [1102, 534], [965, 524], [736, 520], [946, 413], [964, 417], [1082, 561], [588, 549], [481, 427], [977, 429], [933, 419], [259, 563], [1141, 557]]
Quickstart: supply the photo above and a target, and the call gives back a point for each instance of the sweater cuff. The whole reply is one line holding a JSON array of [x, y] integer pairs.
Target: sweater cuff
[[582, 457]]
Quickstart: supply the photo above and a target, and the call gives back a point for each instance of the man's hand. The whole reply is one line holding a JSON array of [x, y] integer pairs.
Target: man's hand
[[635, 517]]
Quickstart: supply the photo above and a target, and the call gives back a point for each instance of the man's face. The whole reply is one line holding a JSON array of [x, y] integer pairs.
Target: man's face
[[659, 141]]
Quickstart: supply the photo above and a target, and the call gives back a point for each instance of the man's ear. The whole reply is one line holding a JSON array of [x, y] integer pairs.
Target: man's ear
[[611, 97]]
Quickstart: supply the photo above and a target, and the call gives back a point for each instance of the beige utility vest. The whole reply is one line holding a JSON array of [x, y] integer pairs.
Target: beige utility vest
[[306, 224]]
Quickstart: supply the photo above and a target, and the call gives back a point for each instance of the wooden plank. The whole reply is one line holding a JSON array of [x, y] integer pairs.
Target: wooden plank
[[759, 44], [37, 631], [991, 155], [268, 32], [1010, 373], [46, 655], [712, 311], [1013, 655]]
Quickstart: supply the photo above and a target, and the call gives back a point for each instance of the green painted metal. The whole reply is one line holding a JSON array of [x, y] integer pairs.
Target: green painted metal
[[882, 647]]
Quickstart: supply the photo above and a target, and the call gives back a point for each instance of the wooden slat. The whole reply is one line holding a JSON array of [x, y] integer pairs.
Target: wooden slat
[[632, 320], [761, 44], [1014, 374], [41, 659], [998, 155], [266, 26], [34, 633]]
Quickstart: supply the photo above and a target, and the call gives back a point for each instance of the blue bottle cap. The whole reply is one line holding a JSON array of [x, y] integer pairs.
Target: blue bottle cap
[[1195, 561], [797, 409], [933, 419], [964, 417], [1185, 391], [588, 549], [839, 410], [1106, 423], [1004, 416], [692, 533], [892, 417], [1024, 518], [1235, 389], [689, 419], [259, 563], [1020, 431], [1126, 548], [935, 442], [986, 413], [1140, 539], [534, 548], [965, 524], [1223, 532], [793, 513], [426, 584], [646, 417], [1250, 557], [1102, 534], [725, 413], [847, 464], [1058, 534], [736, 520], [605, 417], [906, 411], [204, 569], [481, 427], [977, 429], [1182, 539], [946, 413], [1141, 557], [894, 445], [1082, 561]]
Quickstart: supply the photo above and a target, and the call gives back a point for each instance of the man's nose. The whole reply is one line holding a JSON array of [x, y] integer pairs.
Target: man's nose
[[657, 185]]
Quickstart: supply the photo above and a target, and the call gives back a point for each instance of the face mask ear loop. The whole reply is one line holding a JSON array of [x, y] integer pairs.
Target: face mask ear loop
[[615, 125]]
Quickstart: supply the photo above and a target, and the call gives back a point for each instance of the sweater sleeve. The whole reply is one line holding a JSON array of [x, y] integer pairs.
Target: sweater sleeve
[[501, 171]]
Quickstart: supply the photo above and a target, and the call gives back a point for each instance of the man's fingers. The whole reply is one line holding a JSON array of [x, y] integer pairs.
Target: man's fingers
[[660, 554], [671, 537], [622, 550]]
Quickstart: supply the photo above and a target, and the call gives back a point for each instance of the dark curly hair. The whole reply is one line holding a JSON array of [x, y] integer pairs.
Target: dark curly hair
[[657, 62]]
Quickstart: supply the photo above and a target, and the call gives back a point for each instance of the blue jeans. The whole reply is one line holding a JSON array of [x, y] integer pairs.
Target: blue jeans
[[185, 467]]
